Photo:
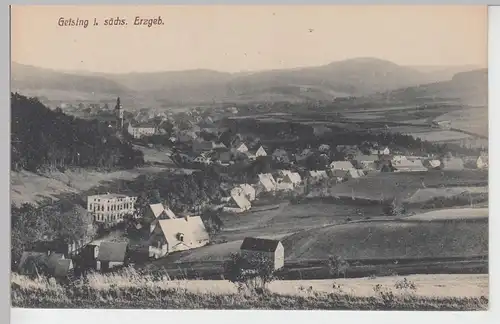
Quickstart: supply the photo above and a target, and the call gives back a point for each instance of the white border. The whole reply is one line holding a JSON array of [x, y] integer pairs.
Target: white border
[[56, 316]]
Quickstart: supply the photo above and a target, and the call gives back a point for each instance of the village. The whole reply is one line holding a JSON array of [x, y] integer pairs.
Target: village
[[154, 231]]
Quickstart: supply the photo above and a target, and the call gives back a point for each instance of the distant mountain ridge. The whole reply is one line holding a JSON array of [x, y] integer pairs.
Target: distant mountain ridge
[[352, 77]]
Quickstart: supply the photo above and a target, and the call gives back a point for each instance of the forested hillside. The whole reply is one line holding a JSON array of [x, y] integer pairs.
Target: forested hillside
[[42, 138]]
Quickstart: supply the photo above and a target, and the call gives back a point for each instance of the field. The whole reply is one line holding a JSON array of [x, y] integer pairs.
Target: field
[[32, 188], [128, 290], [402, 186], [426, 194], [391, 239]]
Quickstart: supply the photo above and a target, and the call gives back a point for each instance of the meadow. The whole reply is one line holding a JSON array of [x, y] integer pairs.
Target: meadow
[[131, 290]]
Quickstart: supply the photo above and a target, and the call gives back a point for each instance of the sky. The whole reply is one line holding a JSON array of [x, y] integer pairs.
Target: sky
[[246, 38]]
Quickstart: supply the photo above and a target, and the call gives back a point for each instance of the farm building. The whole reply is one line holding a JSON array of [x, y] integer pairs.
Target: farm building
[[482, 162], [380, 151], [290, 177], [238, 202], [367, 162], [283, 185], [452, 163], [266, 182], [254, 250], [341, 165], [155, 212], [248, 191], [343, 175], [68, 249], [241, 148], [281, 155], [54, 264], [409, 166], [111, 255], [179, 234], [258, 153]]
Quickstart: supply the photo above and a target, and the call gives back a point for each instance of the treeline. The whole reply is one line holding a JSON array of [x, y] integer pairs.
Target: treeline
[[42, 138], [63, 222]]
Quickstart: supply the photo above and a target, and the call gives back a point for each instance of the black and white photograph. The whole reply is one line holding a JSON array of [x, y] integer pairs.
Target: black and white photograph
[[265, 157]]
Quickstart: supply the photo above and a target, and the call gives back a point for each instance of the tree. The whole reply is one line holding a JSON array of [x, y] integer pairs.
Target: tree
[[254, 272], [337, 265]]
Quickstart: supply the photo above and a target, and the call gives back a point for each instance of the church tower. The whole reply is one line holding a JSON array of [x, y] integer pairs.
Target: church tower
[[119, 114]]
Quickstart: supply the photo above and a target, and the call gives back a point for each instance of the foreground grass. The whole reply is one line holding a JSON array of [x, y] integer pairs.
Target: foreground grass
[[131, 291]]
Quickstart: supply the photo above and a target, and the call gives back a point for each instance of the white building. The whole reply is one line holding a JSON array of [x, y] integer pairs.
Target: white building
[[110, 208], [140, 131]]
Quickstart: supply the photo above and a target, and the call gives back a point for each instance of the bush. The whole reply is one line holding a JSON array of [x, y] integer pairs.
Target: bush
[[337, 266], [253, 273]]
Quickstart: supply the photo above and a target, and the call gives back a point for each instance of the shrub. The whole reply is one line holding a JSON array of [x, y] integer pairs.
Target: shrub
[[337, 265], [253, 272]]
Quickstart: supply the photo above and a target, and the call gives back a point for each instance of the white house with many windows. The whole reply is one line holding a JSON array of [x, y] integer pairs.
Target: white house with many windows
[[110, 208], [144, 130]]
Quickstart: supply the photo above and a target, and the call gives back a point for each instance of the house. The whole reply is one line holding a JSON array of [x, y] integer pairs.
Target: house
[[379, 151], [367, 162], [248, 191], [341, 165], [409, 166], [244, 189], [482, 162], [256, 250], [432, 164], [67, 249], [141, 130], [452, 163], [284, 184], [280, 155], [238, 203], [291, 177], [155, 212], [324, 148], [178, 234], [318, 175], [266, 182], [258, 153], [241, 148], [111, 255], [110, 208]]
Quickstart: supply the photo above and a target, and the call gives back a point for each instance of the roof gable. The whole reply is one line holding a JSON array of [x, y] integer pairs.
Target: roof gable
[[258, 244], [191, 227]]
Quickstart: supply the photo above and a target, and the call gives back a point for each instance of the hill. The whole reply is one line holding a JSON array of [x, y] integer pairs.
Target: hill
[[392, 239], [353, 77], [468, 88], [43, 138]]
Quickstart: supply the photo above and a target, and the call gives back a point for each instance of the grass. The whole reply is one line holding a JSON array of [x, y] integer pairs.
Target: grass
[[403, 185], [130, 290], [391, 239]]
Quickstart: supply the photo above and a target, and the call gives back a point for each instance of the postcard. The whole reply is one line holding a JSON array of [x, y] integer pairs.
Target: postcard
[[249, 157]]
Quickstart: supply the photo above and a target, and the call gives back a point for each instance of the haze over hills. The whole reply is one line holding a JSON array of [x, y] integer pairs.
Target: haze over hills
[[469, 88], [352, 77]]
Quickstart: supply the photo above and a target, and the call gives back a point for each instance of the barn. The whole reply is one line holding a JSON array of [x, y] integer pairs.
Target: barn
[[254, 249]]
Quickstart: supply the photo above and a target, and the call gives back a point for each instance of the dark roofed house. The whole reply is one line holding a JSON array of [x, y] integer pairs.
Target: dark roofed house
[[253, 249], [111, 254]]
